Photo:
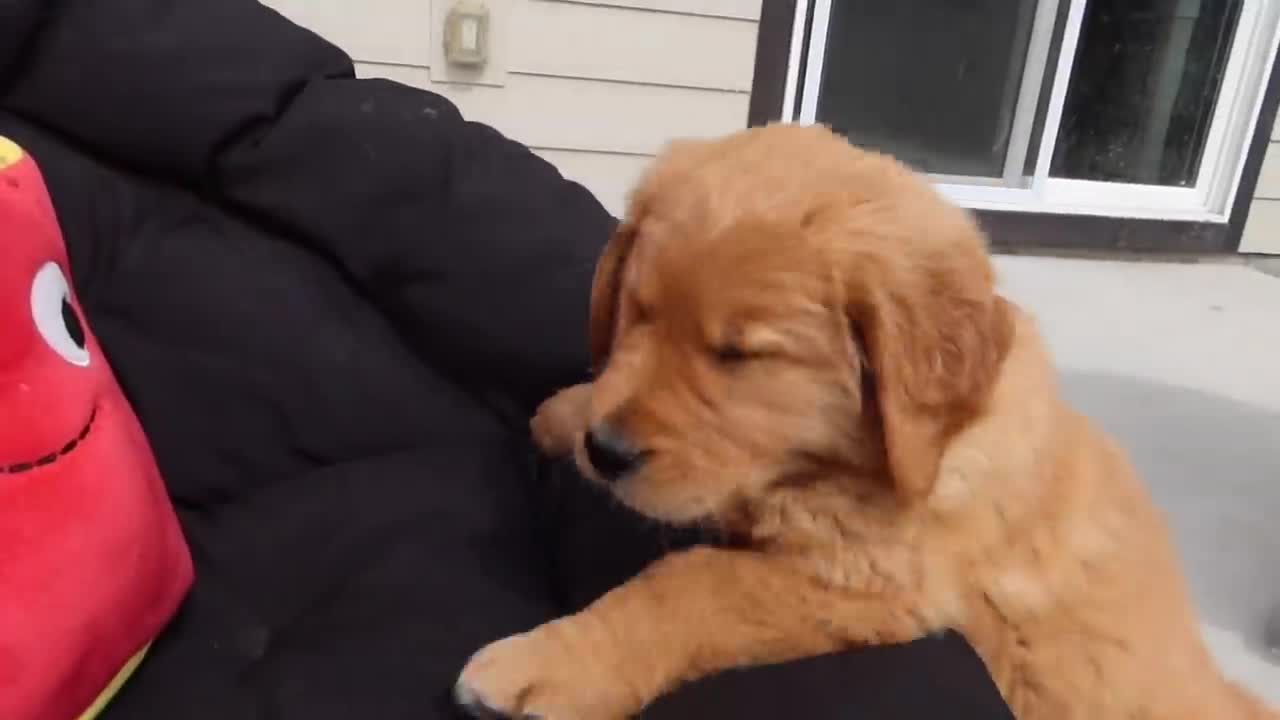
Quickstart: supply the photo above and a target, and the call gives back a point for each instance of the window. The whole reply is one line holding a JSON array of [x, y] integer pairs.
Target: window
[[1130, 108]]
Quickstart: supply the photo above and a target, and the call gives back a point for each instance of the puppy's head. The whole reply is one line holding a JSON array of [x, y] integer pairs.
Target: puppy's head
[[781, 309]]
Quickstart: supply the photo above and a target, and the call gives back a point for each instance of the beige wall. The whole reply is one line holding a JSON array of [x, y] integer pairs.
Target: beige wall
[[594, 86], [1262, 230]]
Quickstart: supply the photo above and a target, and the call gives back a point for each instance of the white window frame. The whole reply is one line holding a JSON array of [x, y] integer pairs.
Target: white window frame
[[1235, 118]]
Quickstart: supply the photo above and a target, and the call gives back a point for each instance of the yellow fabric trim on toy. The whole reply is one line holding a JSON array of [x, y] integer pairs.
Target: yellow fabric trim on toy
[[119, 680], [10, 153]]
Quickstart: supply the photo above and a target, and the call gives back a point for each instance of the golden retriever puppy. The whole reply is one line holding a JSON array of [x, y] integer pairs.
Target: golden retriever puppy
[[800, 343]]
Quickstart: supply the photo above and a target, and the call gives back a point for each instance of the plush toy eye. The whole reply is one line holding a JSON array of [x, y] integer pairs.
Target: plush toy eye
[[56, 319]]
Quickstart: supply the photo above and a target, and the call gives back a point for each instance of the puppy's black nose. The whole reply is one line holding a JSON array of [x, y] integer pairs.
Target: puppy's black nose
[[611, 454]]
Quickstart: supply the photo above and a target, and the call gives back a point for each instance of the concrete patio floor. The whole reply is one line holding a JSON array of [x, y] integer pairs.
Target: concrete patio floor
[[1182, 363]]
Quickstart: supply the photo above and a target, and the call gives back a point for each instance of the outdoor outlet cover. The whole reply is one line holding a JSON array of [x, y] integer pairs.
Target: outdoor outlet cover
[[466, 33]]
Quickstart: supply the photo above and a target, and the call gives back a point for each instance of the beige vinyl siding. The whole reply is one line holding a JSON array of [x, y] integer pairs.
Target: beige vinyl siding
[[1262, 229], [1269, 179], [390, 31], [601, 42], [595, 87], [605, 117], [610, 175], [737, 9]]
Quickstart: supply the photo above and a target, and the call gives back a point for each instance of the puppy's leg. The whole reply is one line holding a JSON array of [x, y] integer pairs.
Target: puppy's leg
[[689, 615], [561, 418]]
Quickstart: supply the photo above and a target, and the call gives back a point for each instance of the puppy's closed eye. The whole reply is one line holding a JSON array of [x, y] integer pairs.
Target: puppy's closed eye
[[732, 353], [753, 343]]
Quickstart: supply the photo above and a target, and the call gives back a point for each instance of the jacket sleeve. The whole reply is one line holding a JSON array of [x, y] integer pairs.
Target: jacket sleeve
[[478, 250]]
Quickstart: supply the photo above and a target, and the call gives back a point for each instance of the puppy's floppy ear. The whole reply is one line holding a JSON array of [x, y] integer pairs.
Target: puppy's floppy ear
[[935, 359], [605, 288], [936, 334]]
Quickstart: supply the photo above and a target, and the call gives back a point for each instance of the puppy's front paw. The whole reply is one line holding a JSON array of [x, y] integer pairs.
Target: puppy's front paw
[[561, 419], [538, 676]]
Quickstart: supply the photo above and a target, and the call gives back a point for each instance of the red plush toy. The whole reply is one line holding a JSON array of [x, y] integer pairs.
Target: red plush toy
[[92, 560]]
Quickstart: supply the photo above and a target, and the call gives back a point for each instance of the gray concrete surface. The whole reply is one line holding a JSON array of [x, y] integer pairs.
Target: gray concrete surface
[[1182, 363], [1269, 264]]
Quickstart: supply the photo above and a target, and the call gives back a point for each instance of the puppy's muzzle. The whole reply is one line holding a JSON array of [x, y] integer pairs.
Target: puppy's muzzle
[[611, 454]]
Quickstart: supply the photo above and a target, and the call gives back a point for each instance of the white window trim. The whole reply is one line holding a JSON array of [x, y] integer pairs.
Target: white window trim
[[1235, 119]]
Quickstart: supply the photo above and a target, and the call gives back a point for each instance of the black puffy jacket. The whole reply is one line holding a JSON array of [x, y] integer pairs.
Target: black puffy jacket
[[333, 303]]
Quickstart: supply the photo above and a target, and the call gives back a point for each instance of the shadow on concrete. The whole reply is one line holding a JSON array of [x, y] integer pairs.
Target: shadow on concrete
[[1213, 465]]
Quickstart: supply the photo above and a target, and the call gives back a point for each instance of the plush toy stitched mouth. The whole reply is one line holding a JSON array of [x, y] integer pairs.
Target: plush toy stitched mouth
[[54, 456]]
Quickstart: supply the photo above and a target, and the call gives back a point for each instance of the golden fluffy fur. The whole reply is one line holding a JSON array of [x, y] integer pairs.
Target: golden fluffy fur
[[805, 342]]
